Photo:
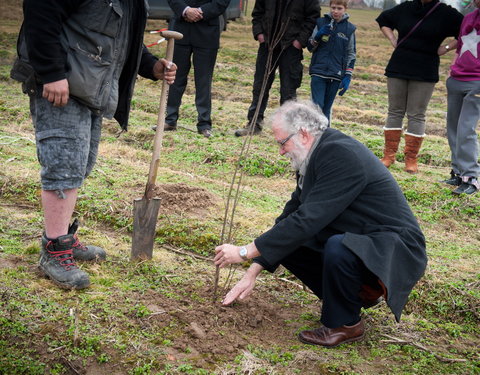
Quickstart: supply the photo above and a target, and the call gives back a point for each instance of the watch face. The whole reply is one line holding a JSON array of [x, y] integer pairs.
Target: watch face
[[243, 252]]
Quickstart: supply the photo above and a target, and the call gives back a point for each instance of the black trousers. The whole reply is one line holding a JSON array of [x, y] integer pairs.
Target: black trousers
[[203, 64], [336, 276], [289, 64]]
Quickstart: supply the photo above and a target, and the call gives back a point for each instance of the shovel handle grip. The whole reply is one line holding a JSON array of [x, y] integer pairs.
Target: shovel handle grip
[[171, 36]]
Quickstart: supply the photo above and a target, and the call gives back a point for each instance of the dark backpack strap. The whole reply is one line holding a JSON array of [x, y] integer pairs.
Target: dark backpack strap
[[418, 24]]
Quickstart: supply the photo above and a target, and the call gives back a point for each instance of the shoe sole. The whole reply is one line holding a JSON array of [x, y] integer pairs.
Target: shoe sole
[[60, 284], [353, 339]]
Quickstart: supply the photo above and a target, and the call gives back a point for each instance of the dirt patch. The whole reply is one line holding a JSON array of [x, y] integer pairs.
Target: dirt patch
[[182, 199]]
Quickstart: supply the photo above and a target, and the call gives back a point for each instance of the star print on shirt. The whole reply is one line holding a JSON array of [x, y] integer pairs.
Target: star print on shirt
[[470, 43]]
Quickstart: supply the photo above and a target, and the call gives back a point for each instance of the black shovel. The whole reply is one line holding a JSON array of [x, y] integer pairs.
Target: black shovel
[[145, 209]]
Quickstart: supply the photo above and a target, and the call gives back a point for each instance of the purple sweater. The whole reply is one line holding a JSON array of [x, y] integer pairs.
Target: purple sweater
[[467, 64]]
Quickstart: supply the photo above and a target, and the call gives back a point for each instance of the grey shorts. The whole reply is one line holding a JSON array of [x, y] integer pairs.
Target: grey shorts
[[67, 142]]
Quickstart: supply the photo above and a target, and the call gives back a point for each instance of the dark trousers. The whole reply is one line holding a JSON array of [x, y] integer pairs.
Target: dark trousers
[[324, 91], [203, 64], [289, 64], [336, 276]]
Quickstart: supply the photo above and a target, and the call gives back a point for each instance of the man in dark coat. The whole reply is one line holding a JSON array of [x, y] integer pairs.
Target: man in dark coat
[[282, 26], [198, 21], [347, 232]]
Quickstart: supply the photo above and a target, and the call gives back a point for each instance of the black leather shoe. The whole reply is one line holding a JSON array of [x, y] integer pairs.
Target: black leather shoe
[[248, 130], [465, 188], [166, 128], [207, 133], [454, 180]]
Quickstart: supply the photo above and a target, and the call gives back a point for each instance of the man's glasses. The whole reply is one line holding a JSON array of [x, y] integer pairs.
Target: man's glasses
[[283, 141]]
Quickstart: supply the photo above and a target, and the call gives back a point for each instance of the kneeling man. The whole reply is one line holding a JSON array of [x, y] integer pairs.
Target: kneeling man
[[347, 232]]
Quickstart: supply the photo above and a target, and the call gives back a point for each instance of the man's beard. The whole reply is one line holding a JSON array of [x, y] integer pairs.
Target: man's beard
[[297, 156]]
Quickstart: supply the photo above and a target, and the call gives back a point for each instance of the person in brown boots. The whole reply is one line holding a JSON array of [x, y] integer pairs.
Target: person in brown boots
[[412, 70]]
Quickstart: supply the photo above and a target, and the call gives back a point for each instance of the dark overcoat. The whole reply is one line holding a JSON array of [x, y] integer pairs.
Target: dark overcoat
[[347, 190]]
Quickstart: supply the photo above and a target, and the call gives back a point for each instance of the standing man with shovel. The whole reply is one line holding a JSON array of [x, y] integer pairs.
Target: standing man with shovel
[[78, 61]]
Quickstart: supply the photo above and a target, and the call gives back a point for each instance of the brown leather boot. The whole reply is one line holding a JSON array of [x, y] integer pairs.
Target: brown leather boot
[[412, 147], [392, 139]]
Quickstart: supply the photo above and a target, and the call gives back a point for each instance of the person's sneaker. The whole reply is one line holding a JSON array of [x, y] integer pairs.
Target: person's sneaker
[[57, 263], [248, 130], [82, 252], [454, 180], [467, 187]]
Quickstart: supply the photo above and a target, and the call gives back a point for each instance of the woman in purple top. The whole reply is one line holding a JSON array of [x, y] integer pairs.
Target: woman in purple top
[[463, 90]]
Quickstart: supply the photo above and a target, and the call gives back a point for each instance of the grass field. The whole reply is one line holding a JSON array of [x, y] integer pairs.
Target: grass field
[[157, 317]]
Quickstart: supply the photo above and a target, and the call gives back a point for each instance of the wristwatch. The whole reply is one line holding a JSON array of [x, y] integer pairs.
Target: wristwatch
[[447, 47], [243, 252]]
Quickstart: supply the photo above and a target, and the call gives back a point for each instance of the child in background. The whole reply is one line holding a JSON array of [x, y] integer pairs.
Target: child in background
[[463, 112], [333, 55]]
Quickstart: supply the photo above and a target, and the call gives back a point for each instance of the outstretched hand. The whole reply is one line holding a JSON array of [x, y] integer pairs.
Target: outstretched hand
[[244, 287]]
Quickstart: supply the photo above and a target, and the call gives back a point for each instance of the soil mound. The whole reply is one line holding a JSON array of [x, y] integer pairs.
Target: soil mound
[[182, 198]]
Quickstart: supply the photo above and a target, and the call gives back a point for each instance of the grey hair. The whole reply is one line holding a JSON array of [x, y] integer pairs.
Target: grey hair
[[294, 116]]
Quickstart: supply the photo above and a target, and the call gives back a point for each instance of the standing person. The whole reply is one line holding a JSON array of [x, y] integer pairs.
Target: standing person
[[199, 23], [463, 96], [412, 70], [289, 22], [335, 234], [78, 61], [333, 56]]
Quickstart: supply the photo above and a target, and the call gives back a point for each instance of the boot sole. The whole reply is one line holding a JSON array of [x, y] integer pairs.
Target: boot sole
[[353, 339], [60, 284]]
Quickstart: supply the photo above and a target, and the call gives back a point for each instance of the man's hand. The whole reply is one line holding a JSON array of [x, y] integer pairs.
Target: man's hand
[[245, 286], [297, 44], [56, 92], [227, 254], [261, 38], [166, 70], [193, 15]]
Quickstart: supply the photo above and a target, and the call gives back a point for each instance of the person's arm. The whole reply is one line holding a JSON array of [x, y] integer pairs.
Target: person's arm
[[245, 286], [447, 47], [214, 8], [258, 13], [227, 254], [351, 58], [178, 7], [312, 12], [388, 32], [42, 24]]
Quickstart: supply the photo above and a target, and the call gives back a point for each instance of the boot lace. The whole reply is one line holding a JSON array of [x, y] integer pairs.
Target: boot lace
[[78, 245], [63, 257]]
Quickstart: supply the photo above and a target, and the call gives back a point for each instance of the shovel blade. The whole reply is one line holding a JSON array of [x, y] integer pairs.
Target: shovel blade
[[145, 214]]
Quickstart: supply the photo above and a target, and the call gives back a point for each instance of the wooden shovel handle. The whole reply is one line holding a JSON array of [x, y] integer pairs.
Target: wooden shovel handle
[[157, 143]]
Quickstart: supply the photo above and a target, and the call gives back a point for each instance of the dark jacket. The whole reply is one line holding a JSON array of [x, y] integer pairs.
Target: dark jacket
[[347, 190], [417, 58], [336, 57], [204, 33], [298, 15], [44, 34]]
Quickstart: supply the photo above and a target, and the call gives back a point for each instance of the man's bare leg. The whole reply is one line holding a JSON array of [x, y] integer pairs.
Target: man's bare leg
[[58, 211]]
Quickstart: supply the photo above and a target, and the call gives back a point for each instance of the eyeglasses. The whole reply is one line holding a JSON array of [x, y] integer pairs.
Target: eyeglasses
[[283, 141]]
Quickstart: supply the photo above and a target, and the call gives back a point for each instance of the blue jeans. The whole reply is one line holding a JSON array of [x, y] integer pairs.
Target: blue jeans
[[324, 91]]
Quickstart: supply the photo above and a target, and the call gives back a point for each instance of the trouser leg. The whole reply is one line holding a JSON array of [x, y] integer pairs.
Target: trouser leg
[[397, 102], [335, 275], [260, 68], [204, 63], [291, 72], [182, 58], [418, 97], [454, 107], [466, 149]]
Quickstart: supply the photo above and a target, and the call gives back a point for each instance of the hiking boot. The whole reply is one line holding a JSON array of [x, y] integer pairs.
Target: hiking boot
[[57, 263], [467, 187], [454, 180], [82, 252], [248, 130]]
